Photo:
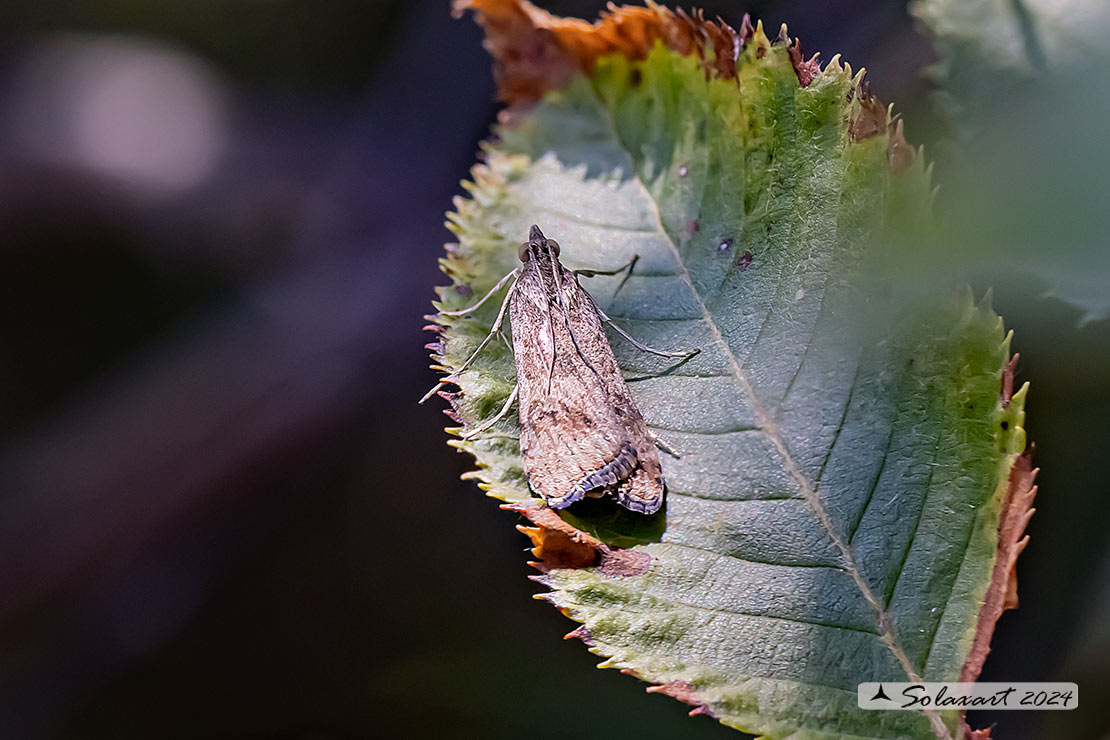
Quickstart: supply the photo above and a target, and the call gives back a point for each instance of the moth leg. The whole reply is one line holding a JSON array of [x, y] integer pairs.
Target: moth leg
[[664, 446], [626, 266], [494, 289], [644, 347], [470, 361], [500, 415]]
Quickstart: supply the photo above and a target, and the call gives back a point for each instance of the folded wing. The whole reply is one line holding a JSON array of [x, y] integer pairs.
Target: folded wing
[[581, 433]]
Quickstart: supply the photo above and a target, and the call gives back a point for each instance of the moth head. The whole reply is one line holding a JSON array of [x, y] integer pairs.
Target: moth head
[[537, 242]]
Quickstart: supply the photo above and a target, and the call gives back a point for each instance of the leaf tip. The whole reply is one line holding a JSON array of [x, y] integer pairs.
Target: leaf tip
[[747, 30], [986, 303], [806, 70], [899, 152], [684, 692], [870, 119], [1007, 391]]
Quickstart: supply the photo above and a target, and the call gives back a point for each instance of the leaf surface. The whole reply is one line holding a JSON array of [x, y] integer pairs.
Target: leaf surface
[[846, 450]]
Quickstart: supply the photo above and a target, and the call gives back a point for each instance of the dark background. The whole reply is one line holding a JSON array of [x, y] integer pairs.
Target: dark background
[[222, 514]]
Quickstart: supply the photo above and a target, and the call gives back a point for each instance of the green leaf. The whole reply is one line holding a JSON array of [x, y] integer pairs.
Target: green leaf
[[845, 449], [1027, 109]]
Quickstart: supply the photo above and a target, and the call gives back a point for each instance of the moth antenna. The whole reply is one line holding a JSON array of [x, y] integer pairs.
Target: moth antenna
[[551, 368], [562, 307], [566, 322]]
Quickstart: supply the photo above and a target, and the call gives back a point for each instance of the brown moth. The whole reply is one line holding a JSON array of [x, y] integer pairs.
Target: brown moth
[[581, 434]]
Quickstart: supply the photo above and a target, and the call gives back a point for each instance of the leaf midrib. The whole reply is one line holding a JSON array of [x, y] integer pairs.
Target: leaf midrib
[[769, 428]]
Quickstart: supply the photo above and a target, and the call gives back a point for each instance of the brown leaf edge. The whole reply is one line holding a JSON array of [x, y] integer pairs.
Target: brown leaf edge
[[558, 544], [1001, 595], [535, 52]]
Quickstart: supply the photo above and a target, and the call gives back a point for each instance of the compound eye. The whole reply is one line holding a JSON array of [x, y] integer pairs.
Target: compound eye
[[523, 252], [554, 246]]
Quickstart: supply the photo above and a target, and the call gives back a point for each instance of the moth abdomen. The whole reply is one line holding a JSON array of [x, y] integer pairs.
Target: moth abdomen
[[609, 474], [640, 505]]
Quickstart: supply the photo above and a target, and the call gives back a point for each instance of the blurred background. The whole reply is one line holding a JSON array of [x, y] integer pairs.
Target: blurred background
[[222, 513]]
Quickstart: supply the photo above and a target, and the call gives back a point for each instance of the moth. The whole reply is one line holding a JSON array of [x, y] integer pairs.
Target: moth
[[581, 434]]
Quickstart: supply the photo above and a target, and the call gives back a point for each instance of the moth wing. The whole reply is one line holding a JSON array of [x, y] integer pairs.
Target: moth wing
[[575, 416], [569, 428], [643, 490]]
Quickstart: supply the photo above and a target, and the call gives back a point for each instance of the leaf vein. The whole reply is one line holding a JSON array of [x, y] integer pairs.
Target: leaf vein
[[840, 426], [701, 497], [874, 485], [916, 526], [705, 433], [738, 613], [730, 555], [586, 222]]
